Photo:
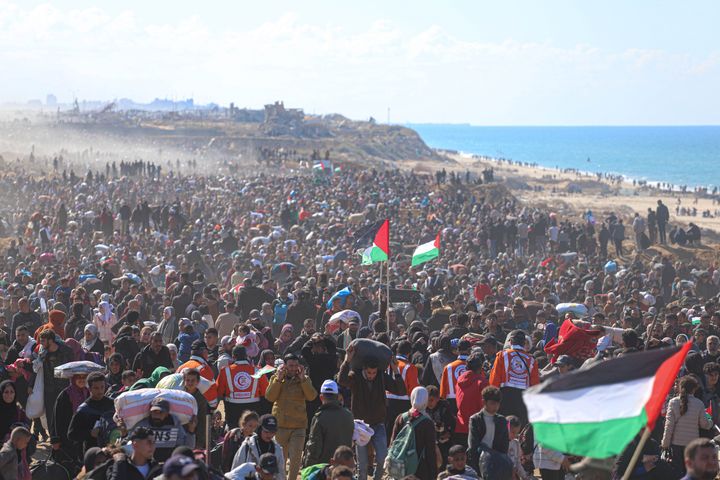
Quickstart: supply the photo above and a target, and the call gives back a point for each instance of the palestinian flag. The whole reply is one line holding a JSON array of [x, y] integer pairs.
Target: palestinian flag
[[597, 412], [379, 251], [426, 251]]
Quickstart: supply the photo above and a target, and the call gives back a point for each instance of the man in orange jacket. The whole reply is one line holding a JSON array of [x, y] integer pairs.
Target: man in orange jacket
[[451, 373], [239, 389], [198, 361], [514, 371]]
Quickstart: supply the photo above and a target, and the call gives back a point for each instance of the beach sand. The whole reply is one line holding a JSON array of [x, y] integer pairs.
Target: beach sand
[[549, 187]]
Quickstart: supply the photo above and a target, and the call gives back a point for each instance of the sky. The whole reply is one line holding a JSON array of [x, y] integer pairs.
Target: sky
[[509, 62]]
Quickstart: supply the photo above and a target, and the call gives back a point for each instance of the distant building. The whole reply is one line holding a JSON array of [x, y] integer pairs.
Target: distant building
[[51, 100]]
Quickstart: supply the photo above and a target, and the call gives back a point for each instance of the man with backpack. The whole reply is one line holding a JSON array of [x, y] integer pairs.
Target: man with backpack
[[413, 446], [368, 387]]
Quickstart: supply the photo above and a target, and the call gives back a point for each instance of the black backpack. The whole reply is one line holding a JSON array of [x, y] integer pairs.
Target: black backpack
[[53, 468]]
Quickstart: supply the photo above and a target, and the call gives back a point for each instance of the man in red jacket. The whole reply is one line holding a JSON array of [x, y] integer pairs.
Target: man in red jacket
[[468, 397], [482, 289]]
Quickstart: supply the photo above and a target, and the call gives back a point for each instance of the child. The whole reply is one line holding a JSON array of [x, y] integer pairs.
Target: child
[[128, 379], [186, 338], [457, 465], [514, 450]]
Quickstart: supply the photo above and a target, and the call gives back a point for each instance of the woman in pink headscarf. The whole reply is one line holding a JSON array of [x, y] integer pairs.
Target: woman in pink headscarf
[[65, 407]]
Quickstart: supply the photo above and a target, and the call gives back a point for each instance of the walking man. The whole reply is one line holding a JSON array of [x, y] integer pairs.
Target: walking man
[[289, 389]]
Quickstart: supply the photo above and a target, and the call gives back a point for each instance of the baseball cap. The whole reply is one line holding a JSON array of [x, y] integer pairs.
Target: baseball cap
[[179, 465], [198, 346], [160, 404], [454, 342], [254, 314], [269, 423], [268, 463], [354, 320], [329, 387], [227, 339]]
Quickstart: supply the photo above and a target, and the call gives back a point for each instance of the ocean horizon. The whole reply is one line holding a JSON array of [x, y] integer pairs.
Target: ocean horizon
[[680, 155]]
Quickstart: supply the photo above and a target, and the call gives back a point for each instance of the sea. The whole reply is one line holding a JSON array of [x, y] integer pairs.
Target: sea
[[682, 156]]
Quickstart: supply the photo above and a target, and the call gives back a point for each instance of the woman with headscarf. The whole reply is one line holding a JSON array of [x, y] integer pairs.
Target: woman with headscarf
[[424, 429], [151, 382], [104, 319], [56, 320], [75, 325], [115, 366], [91, 342], [169, 326], [76, 348], [172, 348], [126, 345], [66, 405], [285, 339], [11, 413]]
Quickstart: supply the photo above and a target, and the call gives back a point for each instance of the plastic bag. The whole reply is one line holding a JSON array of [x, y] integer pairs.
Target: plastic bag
[[35, 406], [362, 433]]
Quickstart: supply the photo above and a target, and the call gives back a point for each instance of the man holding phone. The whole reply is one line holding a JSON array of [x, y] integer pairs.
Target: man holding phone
[[288, 390]]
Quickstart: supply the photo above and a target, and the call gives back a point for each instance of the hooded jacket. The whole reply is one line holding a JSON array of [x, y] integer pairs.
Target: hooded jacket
[[56, 318], [469, 398], [153, 380]]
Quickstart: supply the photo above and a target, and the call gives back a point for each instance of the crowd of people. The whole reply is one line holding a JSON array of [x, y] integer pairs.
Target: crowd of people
[[237, 284]]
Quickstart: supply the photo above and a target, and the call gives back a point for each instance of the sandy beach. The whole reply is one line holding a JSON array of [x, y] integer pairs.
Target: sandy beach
[[548, 186]]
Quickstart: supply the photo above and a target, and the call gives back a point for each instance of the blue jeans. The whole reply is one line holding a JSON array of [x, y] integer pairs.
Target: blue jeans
[[379, 441]]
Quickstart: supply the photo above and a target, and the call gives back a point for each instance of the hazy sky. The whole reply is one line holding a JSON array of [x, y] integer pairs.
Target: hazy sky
[[486, 62]]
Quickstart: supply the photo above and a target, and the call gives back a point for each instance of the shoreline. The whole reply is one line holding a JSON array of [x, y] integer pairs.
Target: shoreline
[[541, 185], [624, 179]]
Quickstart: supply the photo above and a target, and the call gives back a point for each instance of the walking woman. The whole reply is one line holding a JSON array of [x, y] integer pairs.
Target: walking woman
[[685, 417]]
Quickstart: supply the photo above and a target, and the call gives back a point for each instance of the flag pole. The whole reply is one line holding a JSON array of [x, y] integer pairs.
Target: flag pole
[[636, 453], [379, 296], [387, 281]]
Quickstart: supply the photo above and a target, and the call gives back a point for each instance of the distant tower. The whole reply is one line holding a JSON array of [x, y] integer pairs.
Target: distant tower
[[51, 100], [388, 116]]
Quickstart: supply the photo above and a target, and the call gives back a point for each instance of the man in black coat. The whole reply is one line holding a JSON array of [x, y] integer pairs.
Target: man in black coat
[[82, 428], [301, 309], [662, 216], [251, 298], [320, 354], [479, 437], [154, 355], [25, 316]]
